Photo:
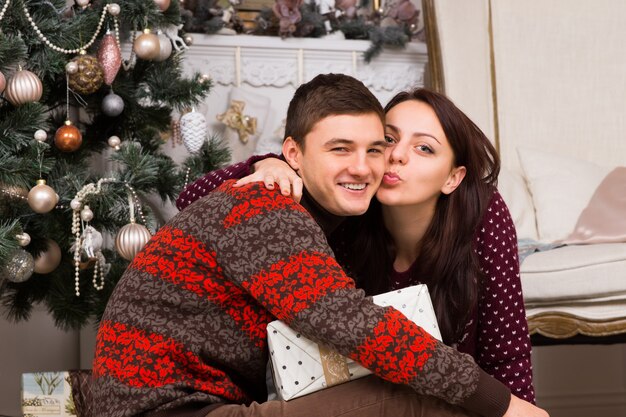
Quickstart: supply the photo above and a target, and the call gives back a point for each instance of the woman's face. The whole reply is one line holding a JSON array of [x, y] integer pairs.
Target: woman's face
[[420, 160]]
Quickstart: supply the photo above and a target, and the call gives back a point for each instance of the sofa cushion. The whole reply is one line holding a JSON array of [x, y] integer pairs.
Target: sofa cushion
[[575, 273], [513, 189], [561, 188]]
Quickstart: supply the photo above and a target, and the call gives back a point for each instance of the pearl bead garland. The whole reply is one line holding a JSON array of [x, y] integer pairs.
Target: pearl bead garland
[[4, 9], [108, 8], [81, 212]]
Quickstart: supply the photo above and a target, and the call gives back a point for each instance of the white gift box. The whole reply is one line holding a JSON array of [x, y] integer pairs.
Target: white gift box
[[301, 366]]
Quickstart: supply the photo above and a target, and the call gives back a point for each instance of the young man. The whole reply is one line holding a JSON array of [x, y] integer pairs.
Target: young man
[[184, 331]]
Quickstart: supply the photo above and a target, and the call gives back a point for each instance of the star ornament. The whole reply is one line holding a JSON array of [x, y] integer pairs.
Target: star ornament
[[235, 119]]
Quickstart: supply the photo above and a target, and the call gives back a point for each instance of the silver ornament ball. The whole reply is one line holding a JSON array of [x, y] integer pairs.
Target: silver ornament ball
[[112, 105], [71, 67], [41, 135], [19, 267], [188, 40], [131, 239], [165, 48]]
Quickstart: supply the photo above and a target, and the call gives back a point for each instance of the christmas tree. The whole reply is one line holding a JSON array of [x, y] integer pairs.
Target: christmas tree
[[82, 121]]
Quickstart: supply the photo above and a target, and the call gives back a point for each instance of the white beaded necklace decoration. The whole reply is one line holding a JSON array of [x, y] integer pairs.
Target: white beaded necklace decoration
[[81, 216], [112, 8], [4, 10]]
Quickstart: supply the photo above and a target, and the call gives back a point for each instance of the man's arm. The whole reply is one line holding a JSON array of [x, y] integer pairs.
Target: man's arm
[[274, 250]]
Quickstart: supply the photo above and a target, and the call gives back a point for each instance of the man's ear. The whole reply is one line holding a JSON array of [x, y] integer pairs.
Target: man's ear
[[292, 153], [454, 179]]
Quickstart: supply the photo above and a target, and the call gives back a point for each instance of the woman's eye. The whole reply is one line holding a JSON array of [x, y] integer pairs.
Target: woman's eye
[[389, 139], [424, 148]]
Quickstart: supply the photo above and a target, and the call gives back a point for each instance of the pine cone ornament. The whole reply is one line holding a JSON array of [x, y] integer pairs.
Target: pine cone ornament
[[193, 129], [89, 77]]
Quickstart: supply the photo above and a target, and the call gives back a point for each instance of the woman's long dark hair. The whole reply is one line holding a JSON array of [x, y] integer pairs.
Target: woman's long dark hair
[[446, 261]]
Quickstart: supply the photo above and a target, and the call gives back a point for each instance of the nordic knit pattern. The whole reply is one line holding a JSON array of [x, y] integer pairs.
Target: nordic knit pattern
[[186, 322], [497, 335]]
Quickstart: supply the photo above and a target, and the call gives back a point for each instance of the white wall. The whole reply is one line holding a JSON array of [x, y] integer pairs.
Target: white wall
[[36, 345]]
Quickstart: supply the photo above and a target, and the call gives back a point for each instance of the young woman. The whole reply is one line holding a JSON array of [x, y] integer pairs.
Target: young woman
[[437, 219]]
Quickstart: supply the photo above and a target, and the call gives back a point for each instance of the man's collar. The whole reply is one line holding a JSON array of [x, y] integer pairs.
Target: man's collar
[[327, 221]]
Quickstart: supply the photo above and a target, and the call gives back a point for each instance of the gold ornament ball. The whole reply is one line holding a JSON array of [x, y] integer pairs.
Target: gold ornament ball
[[163, 5], [48, 260], [19, 267], [68, 138], [89, 77], [131, 239], [3, 82], [147, 46], [188, 39], [42, 198], [23, 87]]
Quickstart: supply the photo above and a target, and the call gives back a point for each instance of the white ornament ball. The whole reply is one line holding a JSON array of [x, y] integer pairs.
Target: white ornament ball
[[48, 260], [188, 39], [112, 105], [193, 130], [23, 239], [165, 48], [75, 204], [86, 214], [41, 135], [71, 67], [131, 239], [3, 82], [19, 267], [82, 3], [42, 198], [114, 142], [114, 9]]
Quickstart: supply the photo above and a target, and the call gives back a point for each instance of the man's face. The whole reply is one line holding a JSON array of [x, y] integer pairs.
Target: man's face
[[342, 163]]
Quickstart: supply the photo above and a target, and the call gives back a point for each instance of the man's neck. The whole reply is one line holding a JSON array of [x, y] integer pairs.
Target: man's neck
[[327, 221]]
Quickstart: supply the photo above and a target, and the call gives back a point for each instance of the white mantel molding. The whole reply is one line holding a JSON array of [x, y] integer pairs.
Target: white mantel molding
[[266, 61]]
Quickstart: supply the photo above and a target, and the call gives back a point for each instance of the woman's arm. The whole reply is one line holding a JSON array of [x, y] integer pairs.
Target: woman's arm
[[210, 181], [503, 343]]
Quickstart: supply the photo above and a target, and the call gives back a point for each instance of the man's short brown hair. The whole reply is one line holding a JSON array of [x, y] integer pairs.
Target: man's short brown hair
[[328, 95]]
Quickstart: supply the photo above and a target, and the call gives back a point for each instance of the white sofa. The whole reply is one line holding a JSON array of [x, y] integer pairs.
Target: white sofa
[[546, 81]]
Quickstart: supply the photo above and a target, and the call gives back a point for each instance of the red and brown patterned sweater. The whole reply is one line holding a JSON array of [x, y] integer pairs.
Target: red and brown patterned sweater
[[186, 325], [497, 336]]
